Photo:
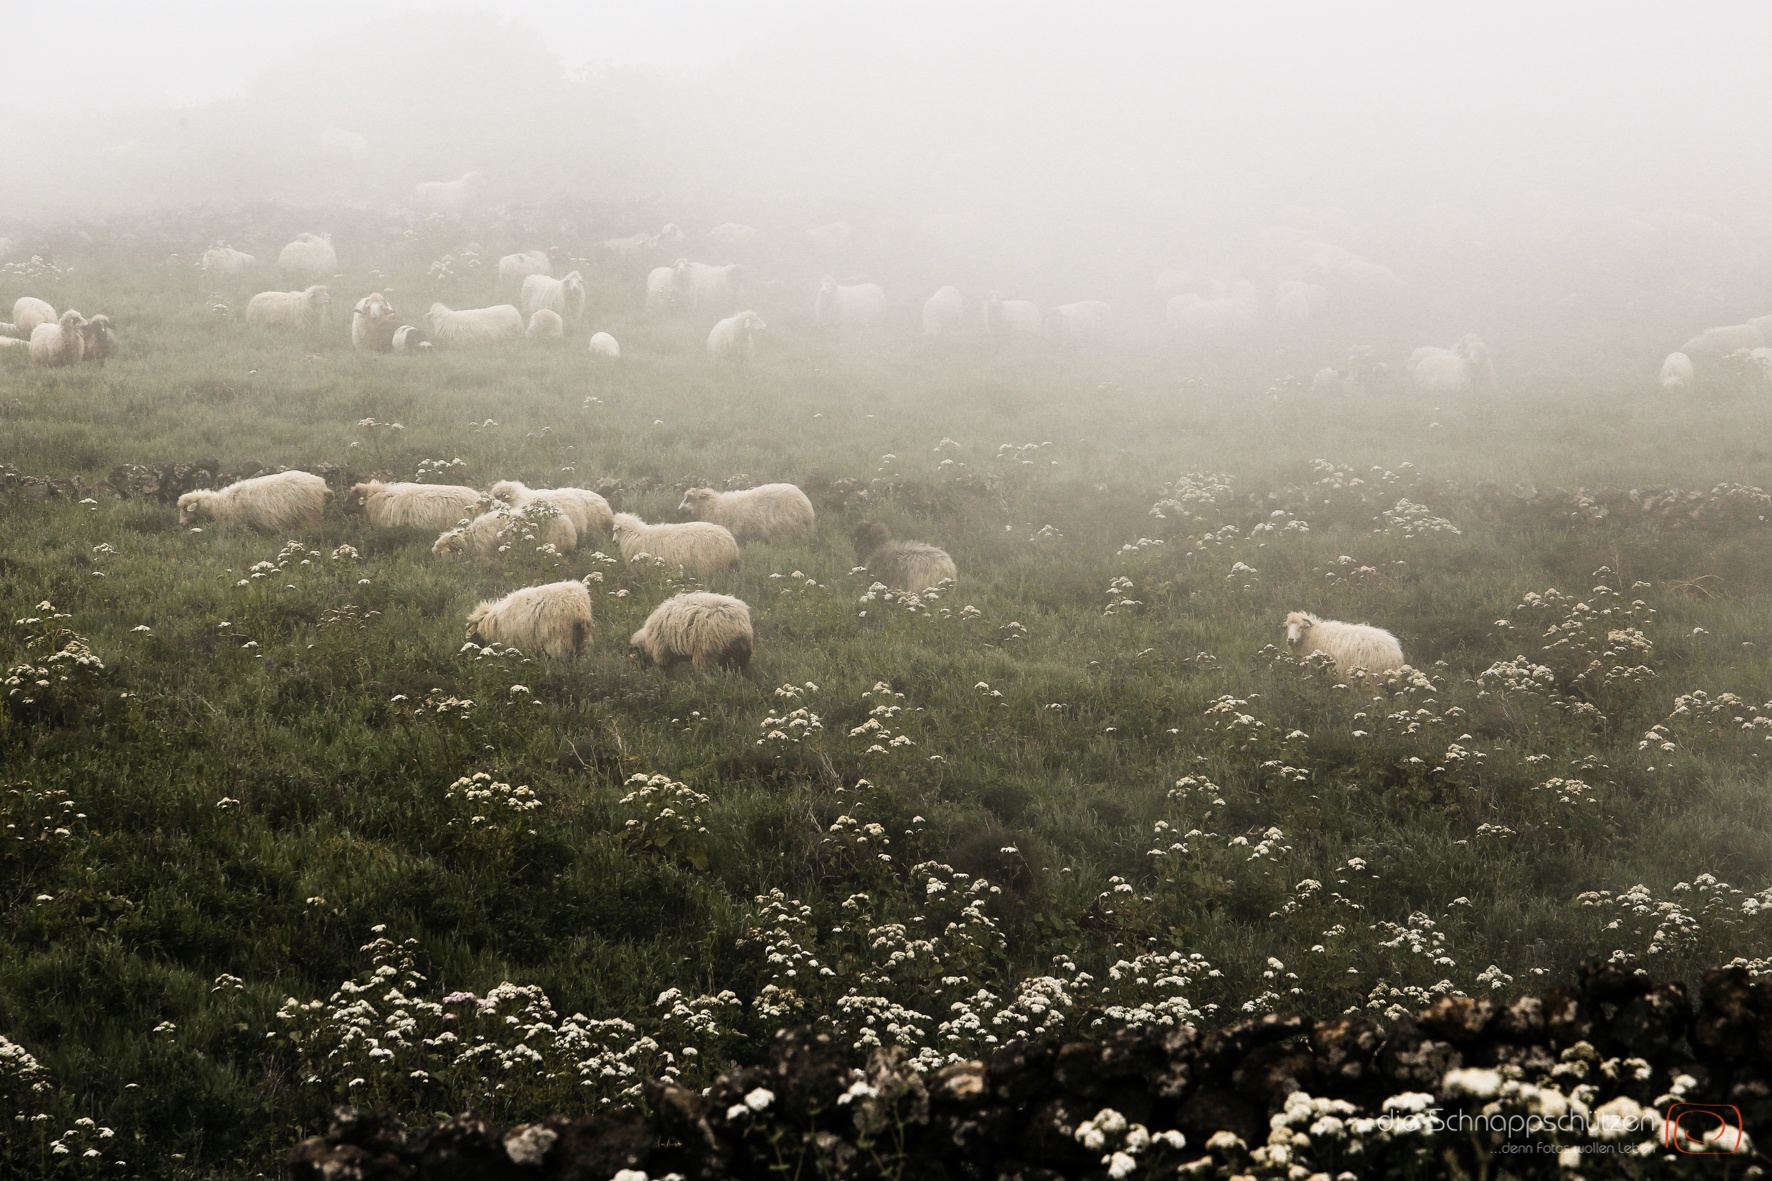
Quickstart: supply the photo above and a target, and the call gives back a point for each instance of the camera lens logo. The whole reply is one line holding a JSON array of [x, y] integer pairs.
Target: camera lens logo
[[1702, 1128]]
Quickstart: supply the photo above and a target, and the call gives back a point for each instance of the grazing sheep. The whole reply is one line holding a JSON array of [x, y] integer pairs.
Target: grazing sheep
[[901, 565], [286, 500], [101, 341], [412, 506], [28, 312], [714, 286], [448, 197], [590, 513], [408, 339], [309, 257], [1089, 320], [222, 261], [1676, 373], [1004, 318], [12, 343], [289, 309], [832, 238], [474, 326], [516, 268], [1296, 303], [732, 338], [860, 305], [545, 325], [373, 323], [763, 513], [554, 620], [732, 235], [671, 235], [944, 312], [61, 343], [698, 547], [1457, 370], [1353, 645], [604, 345], [1199, 318], [490, 534], [710, 631], [565, 296], [1363, 373], [667, 288], [1720, 342]]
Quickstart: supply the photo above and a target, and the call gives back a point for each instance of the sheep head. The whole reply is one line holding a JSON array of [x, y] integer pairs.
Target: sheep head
[[358, 500], [637, 647], [697, 501], [870, 536], [475, 620], [509, 491], [193, 506], [1298, 625], [451, 542]]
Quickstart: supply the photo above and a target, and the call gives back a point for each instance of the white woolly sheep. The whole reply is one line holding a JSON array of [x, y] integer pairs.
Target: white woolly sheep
[[710, 286], [733, 235], [545, 325], [1352, 645], [412, 506], [670, 236], [1088, 320], [732, 338], [604, 345], [1004, 318], [1720, 342], [564, 296], [474, 326], [286, 500], [100, 340], [289, 309], [944, 312], [309, 257], [490, 534], [373, 323], [61, 343], [410, 339], [1676, 373], [28, 312], [667, 288], [1199, 318], [14, 344], [832, 238], [448, 197], [222, 261], [698, 547], [513, 269], [858, 305], [1457, 370], [763, 513], [554, 620], [902, 565], [589, 511], [710, 631]]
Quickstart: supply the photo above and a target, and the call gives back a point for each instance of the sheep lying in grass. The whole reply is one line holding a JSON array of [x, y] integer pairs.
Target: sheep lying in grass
[[604, 345], [220, 261], [28, 312], [732, 339], [763, 513], [1354, 646], [289, 309], [101, 341], [286, 500], [554, 620], [859, 305], [1457, 370], [901, 565], [309, 257], [474, 326], [412, 506], [589, 511], [490, 534], [697, 547], [373, 323], [564, 296], [710, 631], [1676, 372], [60, 343]]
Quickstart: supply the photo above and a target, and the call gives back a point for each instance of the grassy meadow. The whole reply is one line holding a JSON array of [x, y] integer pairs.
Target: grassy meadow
[[248, 871]]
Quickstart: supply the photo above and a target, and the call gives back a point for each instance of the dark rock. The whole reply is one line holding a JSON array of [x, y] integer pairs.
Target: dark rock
[[1345, 1048]]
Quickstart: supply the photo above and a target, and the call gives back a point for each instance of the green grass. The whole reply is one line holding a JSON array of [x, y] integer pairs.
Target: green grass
[[337, 820]]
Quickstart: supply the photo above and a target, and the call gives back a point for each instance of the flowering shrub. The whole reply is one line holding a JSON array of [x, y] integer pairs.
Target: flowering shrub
[[56, 681], [665, 821]]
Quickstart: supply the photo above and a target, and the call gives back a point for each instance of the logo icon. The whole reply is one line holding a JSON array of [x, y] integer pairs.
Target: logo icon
[[1702, 1128]]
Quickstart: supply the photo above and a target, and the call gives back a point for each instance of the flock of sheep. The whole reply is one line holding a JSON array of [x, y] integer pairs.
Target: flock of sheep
[[708, 630], [1716, 348], [52, 340]]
